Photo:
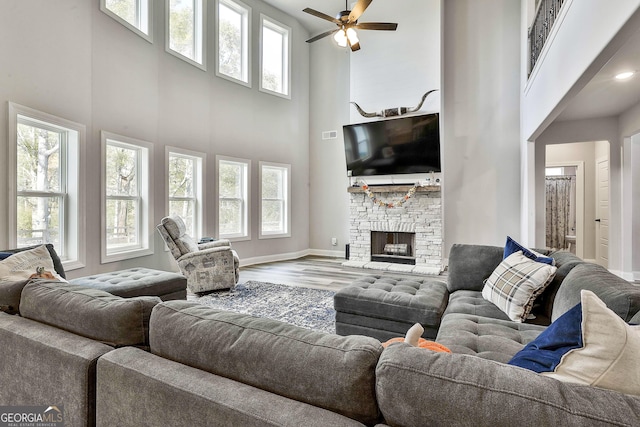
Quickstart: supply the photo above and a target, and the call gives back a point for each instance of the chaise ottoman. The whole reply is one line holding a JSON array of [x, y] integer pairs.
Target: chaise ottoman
[[386, 307], [136, 282]]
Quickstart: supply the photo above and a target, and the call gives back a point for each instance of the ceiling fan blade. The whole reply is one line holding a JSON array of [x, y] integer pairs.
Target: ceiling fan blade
[[359, 9], [321, 15], [386, 26], [323, 35]]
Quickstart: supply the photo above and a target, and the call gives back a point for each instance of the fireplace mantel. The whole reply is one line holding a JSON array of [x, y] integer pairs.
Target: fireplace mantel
[[394, 188]]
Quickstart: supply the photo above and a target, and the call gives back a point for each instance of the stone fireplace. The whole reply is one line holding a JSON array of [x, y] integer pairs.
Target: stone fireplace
[[405, 239]]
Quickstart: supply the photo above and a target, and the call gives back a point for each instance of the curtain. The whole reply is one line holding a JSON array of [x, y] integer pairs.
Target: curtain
[[560, 219]]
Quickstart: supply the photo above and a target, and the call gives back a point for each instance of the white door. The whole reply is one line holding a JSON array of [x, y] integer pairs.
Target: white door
[[602, 212]]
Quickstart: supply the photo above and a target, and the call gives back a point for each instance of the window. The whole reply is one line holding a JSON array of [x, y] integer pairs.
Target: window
[[185, 30], [184, 176], [45, 167], [127, 198], [233, 199], [274, 57], [133, 14], [233, 41], [275, 195]]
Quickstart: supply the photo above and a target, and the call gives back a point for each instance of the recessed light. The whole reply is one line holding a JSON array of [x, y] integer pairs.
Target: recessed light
[[625, 75]]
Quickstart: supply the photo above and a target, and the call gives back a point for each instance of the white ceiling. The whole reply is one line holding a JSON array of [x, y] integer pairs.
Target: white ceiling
[[330, 7], [603, 96]]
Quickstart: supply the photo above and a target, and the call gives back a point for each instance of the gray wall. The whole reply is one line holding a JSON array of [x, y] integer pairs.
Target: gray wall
[[387, 72], [481, 118], [68, 59]]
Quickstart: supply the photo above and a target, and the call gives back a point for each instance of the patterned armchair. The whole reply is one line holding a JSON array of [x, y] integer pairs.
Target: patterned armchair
[[207, 266]]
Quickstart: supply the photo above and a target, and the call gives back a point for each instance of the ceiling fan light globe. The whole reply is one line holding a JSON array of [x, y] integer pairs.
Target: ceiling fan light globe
[[341, 38], [352, 35]]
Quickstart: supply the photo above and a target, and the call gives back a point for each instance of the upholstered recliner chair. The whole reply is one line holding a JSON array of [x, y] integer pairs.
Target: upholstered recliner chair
[[207, 266]]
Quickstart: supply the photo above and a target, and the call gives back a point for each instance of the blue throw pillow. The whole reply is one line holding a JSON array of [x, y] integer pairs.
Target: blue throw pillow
[[512, 246], [545, 352], [5, 255]]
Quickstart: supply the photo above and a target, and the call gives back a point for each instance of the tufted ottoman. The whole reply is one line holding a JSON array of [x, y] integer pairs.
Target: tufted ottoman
[[386, 307], [135, 282]]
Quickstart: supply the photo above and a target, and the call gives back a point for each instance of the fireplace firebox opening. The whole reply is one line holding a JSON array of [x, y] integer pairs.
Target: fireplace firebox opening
[[395, 247]]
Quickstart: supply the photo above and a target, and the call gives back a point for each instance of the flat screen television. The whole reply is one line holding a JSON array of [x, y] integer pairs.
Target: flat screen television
[[395, 146]]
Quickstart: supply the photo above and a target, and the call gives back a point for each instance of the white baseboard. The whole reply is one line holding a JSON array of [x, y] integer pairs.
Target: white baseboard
[[273, 258], [289, 256], [324, 252]]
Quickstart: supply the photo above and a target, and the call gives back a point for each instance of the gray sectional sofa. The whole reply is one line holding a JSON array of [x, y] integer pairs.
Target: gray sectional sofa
[[139, 361]]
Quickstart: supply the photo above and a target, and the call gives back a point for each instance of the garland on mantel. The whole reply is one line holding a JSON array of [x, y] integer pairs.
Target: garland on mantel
[[389, 204]]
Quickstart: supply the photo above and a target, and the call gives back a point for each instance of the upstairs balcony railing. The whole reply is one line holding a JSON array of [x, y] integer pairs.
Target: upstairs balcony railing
[[546, 14]]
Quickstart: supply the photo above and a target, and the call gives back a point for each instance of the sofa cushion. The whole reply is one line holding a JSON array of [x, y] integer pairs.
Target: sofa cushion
[[545, 352], [470, 265], [620, 296], [494, 339], [23, 264], [330, 371], [418, 387], [515, 283], [512, 246], [410, 300], [608, 354], [57, 263], [16, 270], [136, 389], [88, 312]]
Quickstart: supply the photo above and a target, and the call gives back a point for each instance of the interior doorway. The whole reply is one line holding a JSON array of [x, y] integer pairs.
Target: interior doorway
[[584, 156], [602, 211], [564, 206]]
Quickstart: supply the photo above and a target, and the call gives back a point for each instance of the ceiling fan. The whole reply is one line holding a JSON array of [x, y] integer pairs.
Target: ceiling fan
[[347, 22]]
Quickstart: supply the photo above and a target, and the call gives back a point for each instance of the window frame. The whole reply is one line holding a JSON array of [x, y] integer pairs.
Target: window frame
[[72, 159], [287, 201], [200, 160], [199, 36], [145, 220], [286, 49], [246, 40], [144, 7], [246, 212]]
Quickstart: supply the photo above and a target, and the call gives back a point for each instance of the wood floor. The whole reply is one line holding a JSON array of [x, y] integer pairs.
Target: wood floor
[[310, 272]]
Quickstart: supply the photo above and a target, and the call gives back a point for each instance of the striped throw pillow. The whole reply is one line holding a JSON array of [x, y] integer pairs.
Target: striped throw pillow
[[515, 283]]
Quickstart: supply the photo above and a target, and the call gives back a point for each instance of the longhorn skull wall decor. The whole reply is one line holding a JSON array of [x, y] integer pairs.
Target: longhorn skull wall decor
[[391, 112]]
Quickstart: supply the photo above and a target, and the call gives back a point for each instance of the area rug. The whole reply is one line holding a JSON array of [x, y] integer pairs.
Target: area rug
[[304, 307]]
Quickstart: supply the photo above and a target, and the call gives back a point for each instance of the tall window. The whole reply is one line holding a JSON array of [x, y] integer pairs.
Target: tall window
[[233, 40], [185, 30], [45, 152], [233, 200], [184, 175], [133, 14], [274, 57], [127, 197], [275, 196]]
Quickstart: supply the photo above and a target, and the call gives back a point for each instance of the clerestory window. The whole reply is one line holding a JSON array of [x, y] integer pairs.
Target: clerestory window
[[133, 14], [185, 30]]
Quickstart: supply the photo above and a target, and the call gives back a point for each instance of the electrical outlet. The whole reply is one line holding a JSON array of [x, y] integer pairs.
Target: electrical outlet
[[334, 241]]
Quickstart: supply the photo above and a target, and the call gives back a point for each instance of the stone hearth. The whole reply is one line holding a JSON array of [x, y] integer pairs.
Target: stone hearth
[[421, 214]]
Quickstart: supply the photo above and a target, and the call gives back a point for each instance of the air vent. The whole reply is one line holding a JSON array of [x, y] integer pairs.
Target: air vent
[[330, 134]]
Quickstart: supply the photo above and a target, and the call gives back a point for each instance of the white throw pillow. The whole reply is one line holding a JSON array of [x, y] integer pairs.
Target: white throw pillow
[[515, 283], [21, 265], [608, 357]]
